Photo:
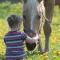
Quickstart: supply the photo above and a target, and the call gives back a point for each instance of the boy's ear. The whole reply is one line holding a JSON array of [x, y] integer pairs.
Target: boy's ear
[[24, 1]]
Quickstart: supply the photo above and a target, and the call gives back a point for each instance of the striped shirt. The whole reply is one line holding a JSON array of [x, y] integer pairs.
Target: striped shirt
[[15, 44]]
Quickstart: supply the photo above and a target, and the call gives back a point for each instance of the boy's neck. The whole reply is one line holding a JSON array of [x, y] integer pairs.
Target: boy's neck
[[14, 29]]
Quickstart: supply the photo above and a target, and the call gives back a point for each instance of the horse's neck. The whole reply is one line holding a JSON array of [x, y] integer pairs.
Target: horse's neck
[[32, 2]]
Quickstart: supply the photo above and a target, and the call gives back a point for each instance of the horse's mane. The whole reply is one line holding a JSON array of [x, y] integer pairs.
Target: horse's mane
[[41, 8]]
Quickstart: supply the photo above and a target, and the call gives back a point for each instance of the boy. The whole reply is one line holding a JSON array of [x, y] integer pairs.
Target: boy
[[14, 39]]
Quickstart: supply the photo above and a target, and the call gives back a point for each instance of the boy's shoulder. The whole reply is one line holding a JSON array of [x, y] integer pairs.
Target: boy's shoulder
[[6, 33], [22, 33], [10, 33]]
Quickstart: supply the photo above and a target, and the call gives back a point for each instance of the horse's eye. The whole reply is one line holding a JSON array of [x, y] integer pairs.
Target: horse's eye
[[38, 17], [39, 0], [25, 1], [24, 16]]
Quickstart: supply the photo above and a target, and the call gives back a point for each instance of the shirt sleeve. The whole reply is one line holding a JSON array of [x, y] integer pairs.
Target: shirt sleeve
[[24, 36]]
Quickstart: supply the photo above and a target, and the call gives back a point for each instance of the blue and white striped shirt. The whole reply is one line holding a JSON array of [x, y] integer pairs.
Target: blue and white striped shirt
[[15, 44]]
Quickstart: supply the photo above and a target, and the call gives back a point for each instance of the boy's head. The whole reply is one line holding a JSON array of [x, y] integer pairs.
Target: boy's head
[[14, 21]]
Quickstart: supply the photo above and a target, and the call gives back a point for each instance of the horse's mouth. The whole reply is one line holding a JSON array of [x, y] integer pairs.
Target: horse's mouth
[[30, 32]]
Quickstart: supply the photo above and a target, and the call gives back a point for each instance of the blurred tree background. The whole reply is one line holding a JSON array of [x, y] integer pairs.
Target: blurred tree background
[[9, 7]]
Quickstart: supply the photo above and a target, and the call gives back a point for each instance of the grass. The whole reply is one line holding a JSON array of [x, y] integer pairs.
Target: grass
[[7, 8]]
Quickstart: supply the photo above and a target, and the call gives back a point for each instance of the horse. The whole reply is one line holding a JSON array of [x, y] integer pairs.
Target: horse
[[35, 12]]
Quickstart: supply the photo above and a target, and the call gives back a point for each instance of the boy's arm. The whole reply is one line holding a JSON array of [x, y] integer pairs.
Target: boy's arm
[[32, 40]]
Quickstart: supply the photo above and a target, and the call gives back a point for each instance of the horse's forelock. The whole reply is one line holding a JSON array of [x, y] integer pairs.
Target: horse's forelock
[[32, 0]]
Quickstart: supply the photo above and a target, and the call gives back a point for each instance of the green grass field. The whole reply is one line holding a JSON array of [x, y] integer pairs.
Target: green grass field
[[7, 8]]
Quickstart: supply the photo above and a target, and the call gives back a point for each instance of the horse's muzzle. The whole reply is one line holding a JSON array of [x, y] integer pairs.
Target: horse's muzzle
[[30, 33]]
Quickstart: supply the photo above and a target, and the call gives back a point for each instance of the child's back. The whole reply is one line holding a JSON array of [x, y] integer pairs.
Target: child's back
[[15, 45]]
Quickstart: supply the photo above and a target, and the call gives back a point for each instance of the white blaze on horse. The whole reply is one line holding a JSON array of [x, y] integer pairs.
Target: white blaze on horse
[[33, 14]]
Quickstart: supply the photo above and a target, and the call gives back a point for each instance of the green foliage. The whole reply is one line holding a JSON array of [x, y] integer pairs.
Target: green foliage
[[7, 8]]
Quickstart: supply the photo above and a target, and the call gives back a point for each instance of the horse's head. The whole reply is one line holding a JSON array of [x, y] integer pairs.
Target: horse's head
[[32, 12]]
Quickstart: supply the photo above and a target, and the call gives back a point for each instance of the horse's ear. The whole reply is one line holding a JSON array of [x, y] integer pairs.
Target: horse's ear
[[39, 1], [25, 1]]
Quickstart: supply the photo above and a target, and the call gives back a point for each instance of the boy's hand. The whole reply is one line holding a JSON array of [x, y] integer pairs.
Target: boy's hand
[[36, 37], [33, 39]]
